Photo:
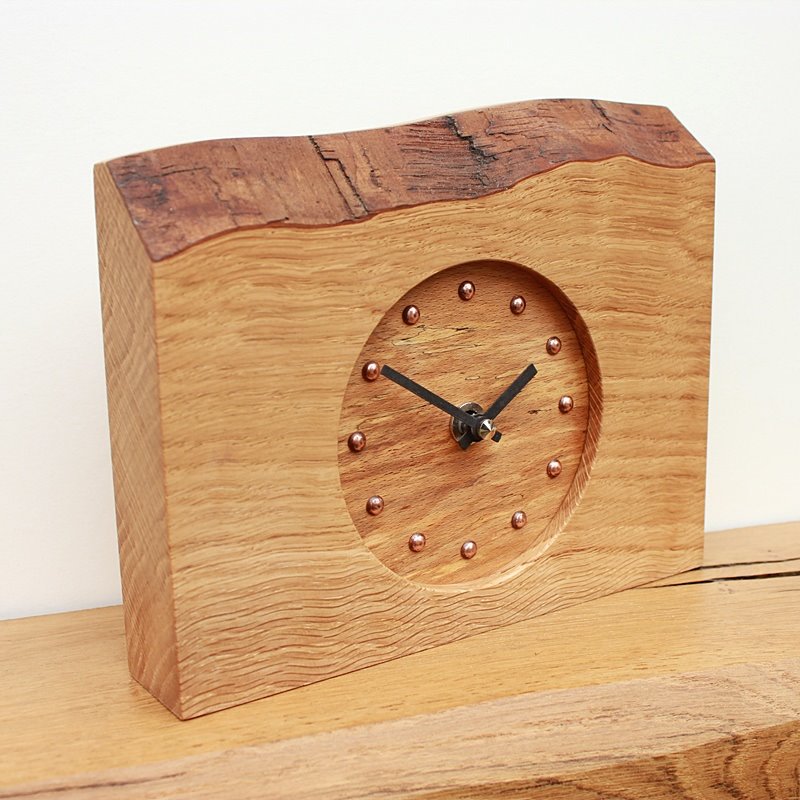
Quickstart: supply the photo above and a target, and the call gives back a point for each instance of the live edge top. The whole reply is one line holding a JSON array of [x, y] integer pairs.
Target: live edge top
[[179, 196]]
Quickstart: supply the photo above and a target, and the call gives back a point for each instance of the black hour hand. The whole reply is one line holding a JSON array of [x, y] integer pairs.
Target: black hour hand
[[477, 427], [427, 395]]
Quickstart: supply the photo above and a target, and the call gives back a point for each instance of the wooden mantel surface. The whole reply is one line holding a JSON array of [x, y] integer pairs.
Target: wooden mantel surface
[[179, 196], [686, 689]]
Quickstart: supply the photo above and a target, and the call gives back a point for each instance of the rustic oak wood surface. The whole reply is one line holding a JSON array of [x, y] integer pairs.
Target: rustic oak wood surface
[[227, 361], [134, 412], [690, 690], [468, 351], [182, 195]]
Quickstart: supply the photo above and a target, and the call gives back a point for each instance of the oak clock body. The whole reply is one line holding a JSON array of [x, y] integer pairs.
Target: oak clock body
[[373, 392]]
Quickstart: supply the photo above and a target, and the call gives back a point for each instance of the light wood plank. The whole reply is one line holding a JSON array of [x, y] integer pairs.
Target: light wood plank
[[745, 553], [761, 543], [74, 710], [481, 749]]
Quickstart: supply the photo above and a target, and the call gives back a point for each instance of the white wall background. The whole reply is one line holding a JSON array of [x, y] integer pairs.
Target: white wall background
[[82, 82]]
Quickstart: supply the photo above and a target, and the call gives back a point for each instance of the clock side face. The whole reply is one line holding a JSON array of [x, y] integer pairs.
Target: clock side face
[[444, 500]]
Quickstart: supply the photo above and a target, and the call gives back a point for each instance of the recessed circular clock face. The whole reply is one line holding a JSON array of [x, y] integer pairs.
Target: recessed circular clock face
[[469, 424]]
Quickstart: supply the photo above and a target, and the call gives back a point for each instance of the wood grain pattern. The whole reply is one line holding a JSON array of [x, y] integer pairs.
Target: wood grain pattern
[[256, 333], [744, 554], [668, 692], [179, 196], [751, 545], [134, 412], [468, 352], [505, 746], [246, 562]]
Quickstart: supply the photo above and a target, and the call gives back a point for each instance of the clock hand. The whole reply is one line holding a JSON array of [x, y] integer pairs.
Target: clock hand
[[473, 423], [518, 384], [427, 395]]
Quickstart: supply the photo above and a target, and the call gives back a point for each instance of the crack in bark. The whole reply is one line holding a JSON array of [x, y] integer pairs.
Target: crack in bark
[[326, 160], [602, 112], [482, 157], [373, 173], [165, 173]]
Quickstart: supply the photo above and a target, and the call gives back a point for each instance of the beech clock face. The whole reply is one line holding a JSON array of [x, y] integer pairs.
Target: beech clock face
[[463, 444]]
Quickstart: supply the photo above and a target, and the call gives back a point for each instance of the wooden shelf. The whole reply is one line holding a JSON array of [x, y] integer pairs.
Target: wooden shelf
[[689, 688]]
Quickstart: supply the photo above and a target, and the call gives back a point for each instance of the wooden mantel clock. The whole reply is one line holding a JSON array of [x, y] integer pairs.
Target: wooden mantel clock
[[372, 392]]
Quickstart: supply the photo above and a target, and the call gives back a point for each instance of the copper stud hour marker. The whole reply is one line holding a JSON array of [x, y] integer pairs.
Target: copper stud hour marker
[[554, 468], [467, 290], [517, 304], [370, 371], [375, 505], [356, 441], [416, 542], [518, 519], [411, 315], [468, 549], [554, 345], [566, 404]]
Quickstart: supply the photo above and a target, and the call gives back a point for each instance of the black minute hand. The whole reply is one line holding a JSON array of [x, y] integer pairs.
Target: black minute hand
[[519, 383], [428, 396]]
